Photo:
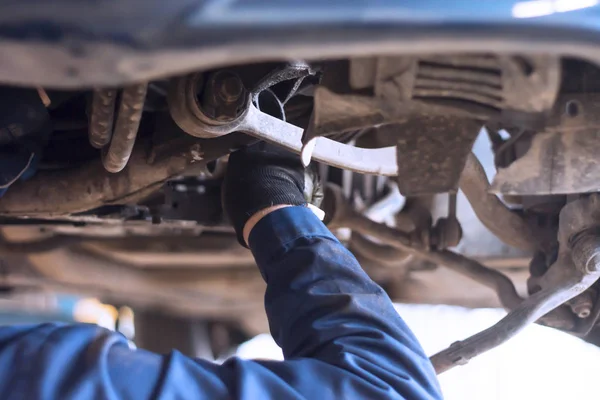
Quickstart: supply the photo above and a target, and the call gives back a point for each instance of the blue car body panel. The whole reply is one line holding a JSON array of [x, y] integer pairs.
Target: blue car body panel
[[69, 43]]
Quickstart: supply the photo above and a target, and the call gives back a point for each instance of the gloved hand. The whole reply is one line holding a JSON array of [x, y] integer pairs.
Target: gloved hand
[[264, 175]]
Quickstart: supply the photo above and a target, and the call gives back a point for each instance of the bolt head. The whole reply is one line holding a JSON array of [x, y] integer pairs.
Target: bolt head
[[230, 88], [584, 313]]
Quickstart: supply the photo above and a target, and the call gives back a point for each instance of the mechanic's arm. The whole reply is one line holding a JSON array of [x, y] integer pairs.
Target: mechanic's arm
[[340, 329], [339, 332]]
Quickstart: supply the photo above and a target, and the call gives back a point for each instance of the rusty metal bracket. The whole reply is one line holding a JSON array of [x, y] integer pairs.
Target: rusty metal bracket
[[432, 152], [563, 158], [524, 83], [335, 113]]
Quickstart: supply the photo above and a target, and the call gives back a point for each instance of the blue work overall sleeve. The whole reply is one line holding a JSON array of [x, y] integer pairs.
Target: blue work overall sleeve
[[340, 334]]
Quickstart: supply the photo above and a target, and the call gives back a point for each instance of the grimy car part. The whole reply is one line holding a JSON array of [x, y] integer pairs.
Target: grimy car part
[[114, 138]]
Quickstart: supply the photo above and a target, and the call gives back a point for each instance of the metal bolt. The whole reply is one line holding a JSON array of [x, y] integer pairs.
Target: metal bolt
[[223, 97], [230, 87], [582, 306], [584, 313]]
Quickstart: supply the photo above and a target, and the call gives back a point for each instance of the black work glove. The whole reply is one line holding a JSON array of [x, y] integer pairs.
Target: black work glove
[[264, 175]]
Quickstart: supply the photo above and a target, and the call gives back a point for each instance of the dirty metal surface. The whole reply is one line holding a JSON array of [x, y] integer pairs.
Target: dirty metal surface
[[53, 193], [531, 83], [334, 113], [527, 84], [506, 224], [116, 155], [432, 152], [563, 158], [102, 115]]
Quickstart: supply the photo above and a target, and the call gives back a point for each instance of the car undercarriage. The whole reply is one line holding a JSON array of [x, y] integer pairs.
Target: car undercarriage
[[113, 160]]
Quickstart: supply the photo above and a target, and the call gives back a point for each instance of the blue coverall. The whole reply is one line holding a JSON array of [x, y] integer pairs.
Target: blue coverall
[[340, 334]]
